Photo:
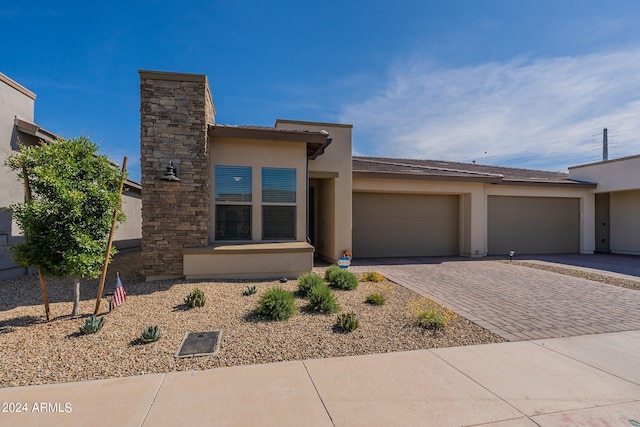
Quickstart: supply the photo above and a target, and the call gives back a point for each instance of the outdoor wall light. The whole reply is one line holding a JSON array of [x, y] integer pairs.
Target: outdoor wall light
[[170, 175], [511, 254]]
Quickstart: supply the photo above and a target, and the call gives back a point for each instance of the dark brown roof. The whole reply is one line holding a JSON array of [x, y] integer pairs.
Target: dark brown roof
[[454, 171]]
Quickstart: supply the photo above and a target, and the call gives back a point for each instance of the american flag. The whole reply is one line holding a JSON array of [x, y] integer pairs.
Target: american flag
[[119, 296]]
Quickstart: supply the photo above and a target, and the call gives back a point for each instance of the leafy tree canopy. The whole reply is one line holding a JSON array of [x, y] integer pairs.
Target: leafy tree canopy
[[67, 221]]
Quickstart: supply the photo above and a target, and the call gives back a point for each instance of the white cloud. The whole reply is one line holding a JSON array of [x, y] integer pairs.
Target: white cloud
[[542, 113]]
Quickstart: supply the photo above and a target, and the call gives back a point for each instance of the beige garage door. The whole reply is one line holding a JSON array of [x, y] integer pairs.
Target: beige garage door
[[390, 225], [533, 225]]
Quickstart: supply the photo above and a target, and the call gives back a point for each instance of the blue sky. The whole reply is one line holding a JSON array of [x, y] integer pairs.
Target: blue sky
[[511, 83]]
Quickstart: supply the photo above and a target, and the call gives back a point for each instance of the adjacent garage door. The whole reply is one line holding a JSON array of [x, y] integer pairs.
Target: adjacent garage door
[[399, 225], [533, 225]]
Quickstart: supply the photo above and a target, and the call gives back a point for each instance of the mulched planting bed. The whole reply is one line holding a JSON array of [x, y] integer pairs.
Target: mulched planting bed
[[37, 352]]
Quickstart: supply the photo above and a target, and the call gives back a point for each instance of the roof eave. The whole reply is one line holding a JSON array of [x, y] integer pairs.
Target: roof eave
[[404, 176]]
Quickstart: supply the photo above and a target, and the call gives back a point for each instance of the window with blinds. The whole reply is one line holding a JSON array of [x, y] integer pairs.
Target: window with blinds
[[233, 200], [278, 204]]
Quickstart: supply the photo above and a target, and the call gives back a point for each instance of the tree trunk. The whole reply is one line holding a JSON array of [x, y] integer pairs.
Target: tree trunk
[[76, 296]]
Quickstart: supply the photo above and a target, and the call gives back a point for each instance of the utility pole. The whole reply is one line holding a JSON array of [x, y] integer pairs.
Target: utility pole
[[605, 145]]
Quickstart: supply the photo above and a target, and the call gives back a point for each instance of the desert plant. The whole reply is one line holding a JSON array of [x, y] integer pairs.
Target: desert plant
[[92, 324], [348, 322], [345, 280], [195, 299], [431, 315], [330, 272], [150, 334], [251, 290], [276, 304], [372, 276], [375, 299], [322, 300], [308, 281]]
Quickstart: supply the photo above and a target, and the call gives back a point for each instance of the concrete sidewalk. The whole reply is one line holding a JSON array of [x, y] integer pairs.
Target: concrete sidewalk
[[586, 380]]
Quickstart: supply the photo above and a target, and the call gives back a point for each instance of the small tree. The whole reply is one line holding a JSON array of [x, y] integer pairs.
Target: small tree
[[68, 219]]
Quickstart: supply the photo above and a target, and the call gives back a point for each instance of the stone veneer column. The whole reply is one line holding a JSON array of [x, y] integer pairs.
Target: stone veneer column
[[175, 110]]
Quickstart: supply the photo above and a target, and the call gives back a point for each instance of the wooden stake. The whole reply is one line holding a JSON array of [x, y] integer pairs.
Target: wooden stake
[[103, 276], [43, 284]]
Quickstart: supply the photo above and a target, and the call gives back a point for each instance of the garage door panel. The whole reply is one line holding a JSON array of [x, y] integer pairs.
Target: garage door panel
[[405, 225], [533, 225]]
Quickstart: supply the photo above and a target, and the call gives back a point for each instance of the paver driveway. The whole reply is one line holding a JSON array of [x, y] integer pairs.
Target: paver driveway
[[515, 302]]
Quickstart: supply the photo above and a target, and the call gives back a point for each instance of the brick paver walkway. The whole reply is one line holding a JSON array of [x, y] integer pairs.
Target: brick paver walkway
[[515, 302]]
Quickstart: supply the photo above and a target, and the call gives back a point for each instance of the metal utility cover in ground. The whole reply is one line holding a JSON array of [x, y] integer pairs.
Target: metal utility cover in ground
[[199, 344]]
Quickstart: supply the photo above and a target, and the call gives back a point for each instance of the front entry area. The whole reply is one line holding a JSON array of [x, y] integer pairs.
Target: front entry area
[[402, 225]]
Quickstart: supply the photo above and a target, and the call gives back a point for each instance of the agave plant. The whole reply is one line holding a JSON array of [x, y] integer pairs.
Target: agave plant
[[92, 324], [150, 334], [249, 291]]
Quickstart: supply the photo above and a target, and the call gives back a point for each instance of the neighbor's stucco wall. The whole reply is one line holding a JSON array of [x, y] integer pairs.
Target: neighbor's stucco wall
[[613, 175], [129, 233], [333, 172], [259, 153], [15, 100], [625, 222]]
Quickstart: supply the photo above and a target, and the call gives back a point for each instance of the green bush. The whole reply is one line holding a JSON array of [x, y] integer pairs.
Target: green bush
[[276, 304], [430, 319], [375, 299], [195, 299], [308, 281], [322, 300], [345, 280], [348, 322], [330, 273]]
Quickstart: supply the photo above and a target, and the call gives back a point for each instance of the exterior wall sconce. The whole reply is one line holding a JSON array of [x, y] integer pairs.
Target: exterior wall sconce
[[170, 175]]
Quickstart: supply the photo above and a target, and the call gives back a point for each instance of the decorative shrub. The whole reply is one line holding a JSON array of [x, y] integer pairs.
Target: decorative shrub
[[330, 273], [429, 319], [348, 322], [276, 304], [92, 324], [372, 276], [345, 280], [430, 315], [249, 291], [322, 300], [195, 299], [150, 334], [376, 299], [308, 281]]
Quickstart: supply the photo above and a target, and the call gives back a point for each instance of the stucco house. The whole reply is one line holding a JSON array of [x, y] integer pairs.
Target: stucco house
[[246, 201], [17, 128]]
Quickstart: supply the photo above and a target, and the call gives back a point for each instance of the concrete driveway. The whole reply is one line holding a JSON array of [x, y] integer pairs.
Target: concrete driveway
[[522, 303]]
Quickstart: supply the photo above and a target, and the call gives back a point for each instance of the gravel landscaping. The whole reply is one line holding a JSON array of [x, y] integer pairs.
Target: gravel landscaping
[[574, 272], [37, 352]]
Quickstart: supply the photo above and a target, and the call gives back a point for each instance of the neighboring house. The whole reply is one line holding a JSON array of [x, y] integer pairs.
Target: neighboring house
[[17, 128], [617, 203], [263, 201]]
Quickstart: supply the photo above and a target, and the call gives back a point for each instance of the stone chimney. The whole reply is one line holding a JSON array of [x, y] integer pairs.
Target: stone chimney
[[175, 110]]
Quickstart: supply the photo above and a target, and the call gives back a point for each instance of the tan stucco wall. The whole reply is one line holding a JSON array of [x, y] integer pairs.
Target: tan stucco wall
[[259, 153], [474, 206], [333, 172], [625, 222], [613, 175], [262, 261]]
